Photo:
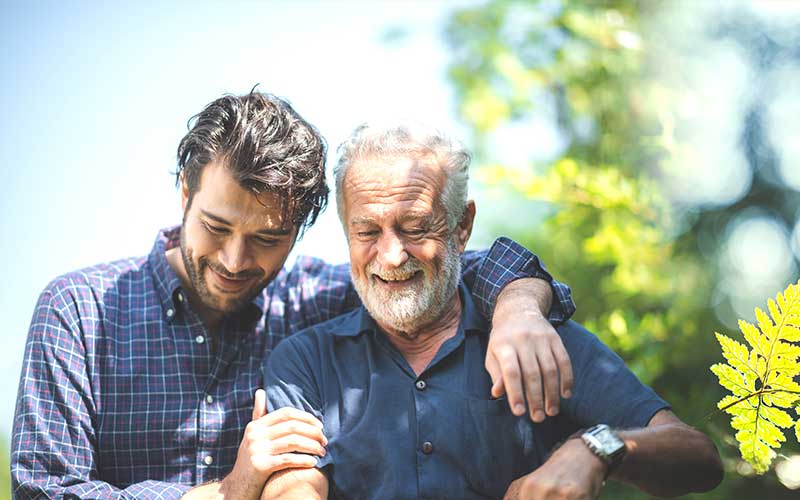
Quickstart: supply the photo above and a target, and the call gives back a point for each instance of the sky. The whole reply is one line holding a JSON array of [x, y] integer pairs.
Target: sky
[[96, 97]]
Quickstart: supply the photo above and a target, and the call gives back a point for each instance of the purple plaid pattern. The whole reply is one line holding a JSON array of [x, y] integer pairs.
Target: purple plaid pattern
[[124, 394]]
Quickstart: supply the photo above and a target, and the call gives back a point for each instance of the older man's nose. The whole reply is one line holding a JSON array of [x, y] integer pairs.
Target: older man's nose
[[391, 251]]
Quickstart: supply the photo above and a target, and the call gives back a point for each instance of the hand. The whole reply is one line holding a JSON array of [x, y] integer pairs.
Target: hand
[[572, 472], [283, 439], [525, 350]]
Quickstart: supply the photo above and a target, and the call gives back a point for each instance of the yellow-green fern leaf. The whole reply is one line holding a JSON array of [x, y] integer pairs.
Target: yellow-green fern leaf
[[761, 377], [732, 379], [736, 353]]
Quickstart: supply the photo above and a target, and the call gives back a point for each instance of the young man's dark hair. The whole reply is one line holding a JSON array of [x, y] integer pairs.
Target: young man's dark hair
[[266, 145]]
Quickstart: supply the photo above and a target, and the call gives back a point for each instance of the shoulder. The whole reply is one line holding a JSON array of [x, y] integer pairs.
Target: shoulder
[[587, 350], [313, 269], [93, 282], [576, 337]]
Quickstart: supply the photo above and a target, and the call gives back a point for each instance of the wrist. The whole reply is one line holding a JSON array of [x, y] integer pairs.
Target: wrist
[[606, 445]]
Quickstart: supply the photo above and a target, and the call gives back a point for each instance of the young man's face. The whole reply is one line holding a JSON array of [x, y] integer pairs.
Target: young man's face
[[232, 242]]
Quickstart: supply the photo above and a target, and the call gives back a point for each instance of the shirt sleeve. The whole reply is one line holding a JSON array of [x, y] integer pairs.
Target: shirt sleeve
[[605, 390], [290, 380], [486, 273], [53, 440]]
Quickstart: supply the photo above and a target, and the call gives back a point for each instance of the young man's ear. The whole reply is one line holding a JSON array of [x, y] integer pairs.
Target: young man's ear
[[184, 192], [464, 228]]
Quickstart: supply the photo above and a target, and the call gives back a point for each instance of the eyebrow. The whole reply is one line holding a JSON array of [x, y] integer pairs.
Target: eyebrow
[[267, 231], [361, 220]]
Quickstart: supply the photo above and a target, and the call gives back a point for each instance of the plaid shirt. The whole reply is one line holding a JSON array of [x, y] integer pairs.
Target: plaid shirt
[[123, 395]]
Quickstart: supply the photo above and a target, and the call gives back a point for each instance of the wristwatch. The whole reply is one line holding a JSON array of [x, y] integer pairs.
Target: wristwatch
[[605, 444]]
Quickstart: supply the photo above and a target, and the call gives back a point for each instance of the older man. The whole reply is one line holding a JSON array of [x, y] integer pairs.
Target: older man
[[399, 383]]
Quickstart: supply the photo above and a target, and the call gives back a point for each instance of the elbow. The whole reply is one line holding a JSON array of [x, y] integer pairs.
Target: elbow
[[710, 471]]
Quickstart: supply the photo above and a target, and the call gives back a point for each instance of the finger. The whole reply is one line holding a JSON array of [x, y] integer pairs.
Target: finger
[[296, 427], [499, 388], [288, 413], [295, 443], [564, 369], [259, 404], [512, 379], [492, 366], [291, 461], [532, 380], [549, 375]]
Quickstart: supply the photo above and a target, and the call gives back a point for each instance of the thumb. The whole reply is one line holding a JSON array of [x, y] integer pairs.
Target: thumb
[[259, 404]]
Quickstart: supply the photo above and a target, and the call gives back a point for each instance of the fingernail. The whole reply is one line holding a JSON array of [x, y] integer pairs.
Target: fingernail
[[567, 394], [538, 416], [519, 409]]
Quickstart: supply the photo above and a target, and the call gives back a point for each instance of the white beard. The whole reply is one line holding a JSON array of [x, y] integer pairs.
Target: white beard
[[417, 304]]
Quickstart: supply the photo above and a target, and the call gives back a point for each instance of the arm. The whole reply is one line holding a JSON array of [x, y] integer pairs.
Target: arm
[[525, 351], [525, 356], [53, 450], [297, 484], [272, 442], [667, 458]]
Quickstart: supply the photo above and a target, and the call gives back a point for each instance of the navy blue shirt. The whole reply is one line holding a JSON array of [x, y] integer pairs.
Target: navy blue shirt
[[393, 434]]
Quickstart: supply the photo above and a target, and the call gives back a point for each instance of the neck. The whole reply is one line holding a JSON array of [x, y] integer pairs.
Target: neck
[[211, 318], [420, 346]]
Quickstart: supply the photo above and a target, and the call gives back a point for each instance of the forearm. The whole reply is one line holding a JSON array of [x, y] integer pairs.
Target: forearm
[[97, 490], [520, 294], [296, 484], [669, 460]]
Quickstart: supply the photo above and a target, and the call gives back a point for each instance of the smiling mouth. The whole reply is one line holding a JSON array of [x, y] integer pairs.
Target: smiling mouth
[[226, 284], [398, 280]]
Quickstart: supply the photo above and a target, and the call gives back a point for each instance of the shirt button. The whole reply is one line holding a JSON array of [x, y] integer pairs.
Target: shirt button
[[170, 312], [199, 339], [421, 385], [208, 460], [427, 447], [209, 398]]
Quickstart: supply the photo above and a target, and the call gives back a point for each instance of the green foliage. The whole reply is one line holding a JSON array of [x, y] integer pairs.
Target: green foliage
[[611, 235], [597, 210], [762, 379]]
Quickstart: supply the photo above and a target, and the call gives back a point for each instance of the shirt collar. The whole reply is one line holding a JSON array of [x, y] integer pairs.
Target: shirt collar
[[168, 285], [360, 321]]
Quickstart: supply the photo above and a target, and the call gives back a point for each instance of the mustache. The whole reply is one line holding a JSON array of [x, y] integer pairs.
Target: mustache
[[220, 269], [410, 266]]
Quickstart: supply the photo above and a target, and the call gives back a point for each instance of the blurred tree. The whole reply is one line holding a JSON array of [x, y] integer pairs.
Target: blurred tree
[[5, 470], [610, 228]]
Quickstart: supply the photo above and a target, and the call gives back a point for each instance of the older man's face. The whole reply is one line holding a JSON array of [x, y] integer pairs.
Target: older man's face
[[405, 263]]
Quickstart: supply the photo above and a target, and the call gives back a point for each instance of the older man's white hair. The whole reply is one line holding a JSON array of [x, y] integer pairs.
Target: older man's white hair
[[408, 140]]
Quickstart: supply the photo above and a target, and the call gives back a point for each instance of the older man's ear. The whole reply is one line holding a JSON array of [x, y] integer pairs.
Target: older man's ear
[[464, 228]]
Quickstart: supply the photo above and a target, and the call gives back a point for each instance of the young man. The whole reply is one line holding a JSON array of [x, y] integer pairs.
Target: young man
[[399, 382], [138, 375]]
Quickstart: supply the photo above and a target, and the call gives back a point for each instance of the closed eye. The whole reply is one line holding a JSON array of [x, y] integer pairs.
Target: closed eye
[[264, 242], [215, 229]]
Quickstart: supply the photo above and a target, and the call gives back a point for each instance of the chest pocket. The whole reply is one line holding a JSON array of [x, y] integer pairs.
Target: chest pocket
[[498, 446]]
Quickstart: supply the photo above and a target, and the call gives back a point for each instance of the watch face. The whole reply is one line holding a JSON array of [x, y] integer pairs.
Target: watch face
[[609, 442], [604, 443]]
